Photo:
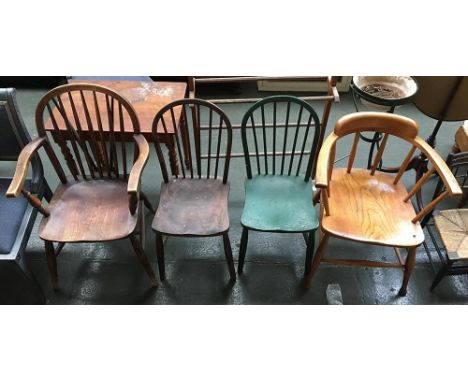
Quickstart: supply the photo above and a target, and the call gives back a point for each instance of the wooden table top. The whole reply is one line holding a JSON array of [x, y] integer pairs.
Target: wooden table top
[[146, 97]]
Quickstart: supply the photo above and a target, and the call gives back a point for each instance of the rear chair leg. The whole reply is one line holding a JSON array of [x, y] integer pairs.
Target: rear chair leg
[[309, 252], [51, 263], [317, 259], [440, 275], [410, 259], [160, 256], [243, 249], [228, 254], [143, 259]]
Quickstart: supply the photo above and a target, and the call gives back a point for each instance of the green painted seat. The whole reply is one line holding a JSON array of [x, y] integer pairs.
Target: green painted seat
[[279, 203], [280, 137]]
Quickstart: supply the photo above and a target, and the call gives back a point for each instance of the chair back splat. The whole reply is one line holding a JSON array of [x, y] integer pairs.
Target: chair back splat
[[286, 143], [88, 123], [201, 121]]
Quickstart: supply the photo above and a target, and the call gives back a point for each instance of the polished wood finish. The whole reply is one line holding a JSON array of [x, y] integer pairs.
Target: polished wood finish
[[100, 199], [371, 209], [195, 202], [374, 207], [22, 166]]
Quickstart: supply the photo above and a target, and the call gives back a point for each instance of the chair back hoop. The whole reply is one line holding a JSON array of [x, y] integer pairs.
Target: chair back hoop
[[198, 135], [295, 132], [91, 125]]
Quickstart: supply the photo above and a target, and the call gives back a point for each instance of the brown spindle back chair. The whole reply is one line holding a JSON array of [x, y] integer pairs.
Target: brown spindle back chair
[[371, 206], [100, 198], [194, 201]]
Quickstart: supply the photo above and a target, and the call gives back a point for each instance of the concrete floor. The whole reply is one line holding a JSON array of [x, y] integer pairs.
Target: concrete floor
[[196, 271]]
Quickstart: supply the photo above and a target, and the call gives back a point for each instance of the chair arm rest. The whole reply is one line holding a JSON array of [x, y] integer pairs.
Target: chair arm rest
[[441, 167], [323, 161], [139, 165], [22, 165]]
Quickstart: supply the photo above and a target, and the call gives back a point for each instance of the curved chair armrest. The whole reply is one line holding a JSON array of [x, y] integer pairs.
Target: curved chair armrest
[[22, 165], [441, 167], [323, 161], [139, 165]]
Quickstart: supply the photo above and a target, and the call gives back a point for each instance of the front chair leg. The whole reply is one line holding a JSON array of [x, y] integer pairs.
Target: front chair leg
[[440, 275], [410, 259], [228, 254], [143, 259], [160, 256], [243, 249], [309, 252], [317, 259], [51, 263]]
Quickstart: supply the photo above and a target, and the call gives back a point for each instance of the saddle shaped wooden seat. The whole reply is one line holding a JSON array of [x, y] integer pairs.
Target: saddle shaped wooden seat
[[103, 217], [371, 209], [192, 207]]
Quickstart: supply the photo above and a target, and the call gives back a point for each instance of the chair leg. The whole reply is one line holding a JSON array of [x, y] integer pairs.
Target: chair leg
[[142, 232], [143, 259], [408, 269], [160, 256], [317, 259], [51, 263], [309, 252], [243, 249], [440, 275], [228, 254], [147, 202]]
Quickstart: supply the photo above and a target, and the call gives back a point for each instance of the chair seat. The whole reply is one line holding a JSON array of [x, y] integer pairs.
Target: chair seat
[[279, 203], [371, 209], [192, 207], [11, 216], [89, 211], [452, 226]]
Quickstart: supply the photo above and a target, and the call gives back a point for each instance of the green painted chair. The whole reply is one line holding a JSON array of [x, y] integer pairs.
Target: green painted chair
[[280, 136]]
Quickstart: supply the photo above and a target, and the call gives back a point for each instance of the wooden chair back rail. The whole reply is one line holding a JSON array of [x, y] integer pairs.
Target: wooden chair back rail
[[188, 136], [255, 123], [88, 133]]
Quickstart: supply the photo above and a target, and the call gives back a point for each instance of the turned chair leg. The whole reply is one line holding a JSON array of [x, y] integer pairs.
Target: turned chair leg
[[410, 259], [243, 249], [160, 256], [51, 263], [317, 259], [440, 275], [309, 252], [143, 259], [229, 258]]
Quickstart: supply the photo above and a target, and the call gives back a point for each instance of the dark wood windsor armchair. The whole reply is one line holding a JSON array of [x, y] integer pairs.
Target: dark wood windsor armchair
[[282, 147], [195, 202], [370, 206], [100, 199]]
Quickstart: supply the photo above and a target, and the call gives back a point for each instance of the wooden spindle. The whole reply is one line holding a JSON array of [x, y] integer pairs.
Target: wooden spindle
[[210, 134], [113, 148], [264, 138], [254, 132], [189, 149], [274, 137], [419, 184], [102, 143], [35, 202], [404, 165], [379, 154], [352, 154], [94, 145], [123, 149], [429, 207], [324, 198], [285, 141], [196, 132], [218, 148], [176, 135], [296, 134]]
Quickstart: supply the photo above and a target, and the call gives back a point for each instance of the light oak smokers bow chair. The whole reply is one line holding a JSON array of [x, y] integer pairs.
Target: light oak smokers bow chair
[[280, 137], [100, 200], [194, 203], [370, 206]]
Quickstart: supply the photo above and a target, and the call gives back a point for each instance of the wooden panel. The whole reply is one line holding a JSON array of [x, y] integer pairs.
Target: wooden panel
[[370, 208], [88, 211], [192, 207]]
